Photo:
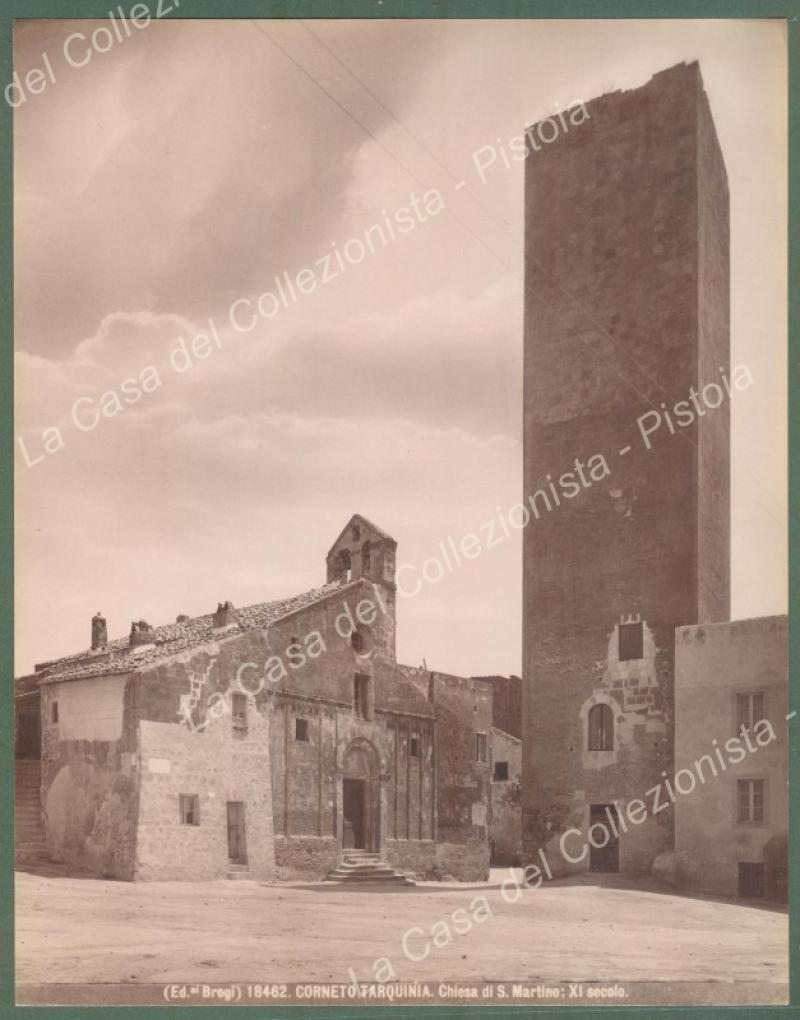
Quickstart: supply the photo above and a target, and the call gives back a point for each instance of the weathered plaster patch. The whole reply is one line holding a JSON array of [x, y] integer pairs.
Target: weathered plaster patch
[[90, 709]]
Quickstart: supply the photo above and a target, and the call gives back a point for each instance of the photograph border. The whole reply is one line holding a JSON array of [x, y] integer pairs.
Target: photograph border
[[393, 9]]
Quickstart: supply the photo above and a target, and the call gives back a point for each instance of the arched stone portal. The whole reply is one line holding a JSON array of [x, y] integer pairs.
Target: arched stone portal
[[360, 798]]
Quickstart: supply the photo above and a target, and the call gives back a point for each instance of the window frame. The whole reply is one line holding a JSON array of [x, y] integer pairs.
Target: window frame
[[239, 718], [362, 696], [751, 694], [54, 718], [301, 725], [481, 747], [500, 779], [189, 808], [414, 746], [628, 628], [751, 820], [600, 738]]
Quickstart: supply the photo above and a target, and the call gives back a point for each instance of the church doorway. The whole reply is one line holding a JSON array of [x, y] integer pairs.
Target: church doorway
[[353, 793], [361, 798]]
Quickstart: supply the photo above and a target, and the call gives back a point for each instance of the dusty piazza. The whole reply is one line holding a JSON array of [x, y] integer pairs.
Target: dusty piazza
[[409, 624], [220, 936]]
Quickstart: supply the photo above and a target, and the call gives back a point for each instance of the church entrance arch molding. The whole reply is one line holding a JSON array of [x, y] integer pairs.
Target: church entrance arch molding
[[361, 797]]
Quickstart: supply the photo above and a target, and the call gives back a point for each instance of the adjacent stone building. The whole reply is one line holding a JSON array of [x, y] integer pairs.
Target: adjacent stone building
[[506, 833], [264, 740], [731, 705]]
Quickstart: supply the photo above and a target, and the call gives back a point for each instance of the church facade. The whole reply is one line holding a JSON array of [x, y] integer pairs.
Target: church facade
[[266, 741]]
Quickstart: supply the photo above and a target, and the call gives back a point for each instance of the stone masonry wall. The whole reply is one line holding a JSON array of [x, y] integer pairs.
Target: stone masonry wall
[[613, 264], [714, 663], [463, 710], [189, 745], [506, 834], [89, 778]]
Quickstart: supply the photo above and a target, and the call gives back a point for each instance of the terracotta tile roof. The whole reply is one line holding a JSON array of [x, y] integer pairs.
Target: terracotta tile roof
[[170, 638]]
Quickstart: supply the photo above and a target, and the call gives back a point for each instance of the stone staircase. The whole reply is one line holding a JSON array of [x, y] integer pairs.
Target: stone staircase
[[360, 866], [237, 872], [28, 828]]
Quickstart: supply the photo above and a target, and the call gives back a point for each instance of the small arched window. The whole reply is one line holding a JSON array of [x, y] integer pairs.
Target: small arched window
[[601, 728], [344, 565]]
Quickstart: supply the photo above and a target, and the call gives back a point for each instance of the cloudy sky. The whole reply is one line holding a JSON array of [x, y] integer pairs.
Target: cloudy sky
[[188, 165]]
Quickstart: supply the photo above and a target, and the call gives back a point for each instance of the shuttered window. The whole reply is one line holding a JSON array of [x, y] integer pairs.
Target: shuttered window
[[601, 728], [751, 801]]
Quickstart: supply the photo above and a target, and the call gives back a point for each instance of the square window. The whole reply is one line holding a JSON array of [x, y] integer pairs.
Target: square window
[[301, 730], [750, 801], [631, 641], [239, 711], [501, 771], [414, 746], [54, 712], [189, 804], [480, 747]]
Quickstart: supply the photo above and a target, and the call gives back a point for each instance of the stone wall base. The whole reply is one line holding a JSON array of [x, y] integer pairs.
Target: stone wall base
[[305, 856], [414, 857], [464, 862]]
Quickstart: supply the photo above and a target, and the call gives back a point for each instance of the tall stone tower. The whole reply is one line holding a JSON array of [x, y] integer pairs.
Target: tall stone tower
[[626, 315]]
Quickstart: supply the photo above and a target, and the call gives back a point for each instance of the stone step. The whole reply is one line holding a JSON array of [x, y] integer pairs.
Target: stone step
[[377, 871], [366, 869], [392, 879], [29, 836], [27, 815], [29, 851]]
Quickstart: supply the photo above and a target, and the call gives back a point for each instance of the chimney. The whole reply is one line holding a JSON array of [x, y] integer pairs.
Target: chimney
[[141, 634], [224, 616], [99, 633]]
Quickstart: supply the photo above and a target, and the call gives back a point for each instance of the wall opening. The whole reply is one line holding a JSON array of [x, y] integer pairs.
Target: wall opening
[[751, 880], [631, 641], [605, 856], [601, 728]]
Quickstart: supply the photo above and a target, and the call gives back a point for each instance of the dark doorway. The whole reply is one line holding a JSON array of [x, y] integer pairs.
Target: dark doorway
[[604, 858], [751, 880], [353, 793], [28, 744], [237, 847]]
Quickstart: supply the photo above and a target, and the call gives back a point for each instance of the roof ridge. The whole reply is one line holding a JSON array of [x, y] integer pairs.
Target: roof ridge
[[183, 635]]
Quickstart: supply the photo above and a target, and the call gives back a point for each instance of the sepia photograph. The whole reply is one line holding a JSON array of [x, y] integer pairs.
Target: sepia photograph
[[401, 564]]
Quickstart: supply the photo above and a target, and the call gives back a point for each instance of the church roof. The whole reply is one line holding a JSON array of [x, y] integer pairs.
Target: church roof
[[361, 519], [120, 657]]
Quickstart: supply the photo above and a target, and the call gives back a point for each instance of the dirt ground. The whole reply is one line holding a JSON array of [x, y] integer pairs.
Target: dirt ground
[[75, 930]]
